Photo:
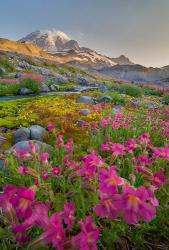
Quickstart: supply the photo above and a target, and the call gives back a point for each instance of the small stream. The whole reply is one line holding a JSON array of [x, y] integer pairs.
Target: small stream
[[16, 97]]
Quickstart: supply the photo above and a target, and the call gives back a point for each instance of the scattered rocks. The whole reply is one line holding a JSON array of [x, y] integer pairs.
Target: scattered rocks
[[44, 88], [24, 146], [117, 109], [25, 91], [106, 99], [37, 133], [22, 134], [85, 99], [85, 111]]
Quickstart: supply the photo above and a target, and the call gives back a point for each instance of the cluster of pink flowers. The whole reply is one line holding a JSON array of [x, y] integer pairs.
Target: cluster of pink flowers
[[117, 197], [8, 81], [36, 77]]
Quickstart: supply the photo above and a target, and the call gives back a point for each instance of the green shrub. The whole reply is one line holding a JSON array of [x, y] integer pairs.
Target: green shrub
[[30, 84], [153, 91], [117, 98], [4, 63], [166, 100], [7, 89], [130, 90]]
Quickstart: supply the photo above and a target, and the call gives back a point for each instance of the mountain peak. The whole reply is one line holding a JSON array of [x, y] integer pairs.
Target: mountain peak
[[122, 60], [49, 40]]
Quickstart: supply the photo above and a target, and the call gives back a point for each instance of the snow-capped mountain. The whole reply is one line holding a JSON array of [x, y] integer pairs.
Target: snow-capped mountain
[[51, 40], [61, 45]]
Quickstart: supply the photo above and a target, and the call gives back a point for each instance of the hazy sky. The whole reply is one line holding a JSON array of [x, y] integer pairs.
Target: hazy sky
[[136, 28]]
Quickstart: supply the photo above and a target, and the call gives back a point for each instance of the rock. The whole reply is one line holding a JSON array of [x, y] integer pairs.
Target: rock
[[54, 87], [1, 163], [85, 111], [44, 88], [61, 79], [22, 134], [103, 88], [37, 133], [152, 105], [25, 91], [85, 81], [117, 109], [24, 65], [2, 71], [106, 99], [85, 99], [2, 139], [24, 146], [137, 103]]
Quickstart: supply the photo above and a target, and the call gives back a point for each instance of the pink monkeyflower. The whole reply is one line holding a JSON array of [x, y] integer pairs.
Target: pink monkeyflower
[[67, 159], [22, 170], [5, 202], [117, 149], [69, 214], [51, 127], [69, 146], [144, 139], [73, 165], [105, 122], [60, 142], [131, 145], [90, 164], [136, 205], [56, 171], [153, 200], [105, 147], [54, 233], [143, 160], [23, 201], [44, 175], [109, 181], [88, 237], [162, 153], [158, 179], [22, 154], [95, 127], [19, 232], [109, 207], [44, 158], [33, 148]]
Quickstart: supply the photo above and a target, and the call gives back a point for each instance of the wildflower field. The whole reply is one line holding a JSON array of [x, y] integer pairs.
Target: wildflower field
[[102, 185]]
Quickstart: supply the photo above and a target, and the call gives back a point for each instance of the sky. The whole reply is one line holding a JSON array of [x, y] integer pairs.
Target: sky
[[135, 28]]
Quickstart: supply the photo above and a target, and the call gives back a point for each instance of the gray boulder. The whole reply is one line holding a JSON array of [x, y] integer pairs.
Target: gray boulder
[[103, 88], [25, 91], [44, 88], [22, 134], [37, 133], [54, 87], [85, 99], [106, 99], [24, 146], [2, 71], [85, 111]]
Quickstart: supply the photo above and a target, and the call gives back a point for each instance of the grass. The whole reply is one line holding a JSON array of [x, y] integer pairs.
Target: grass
[[4, 63]]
